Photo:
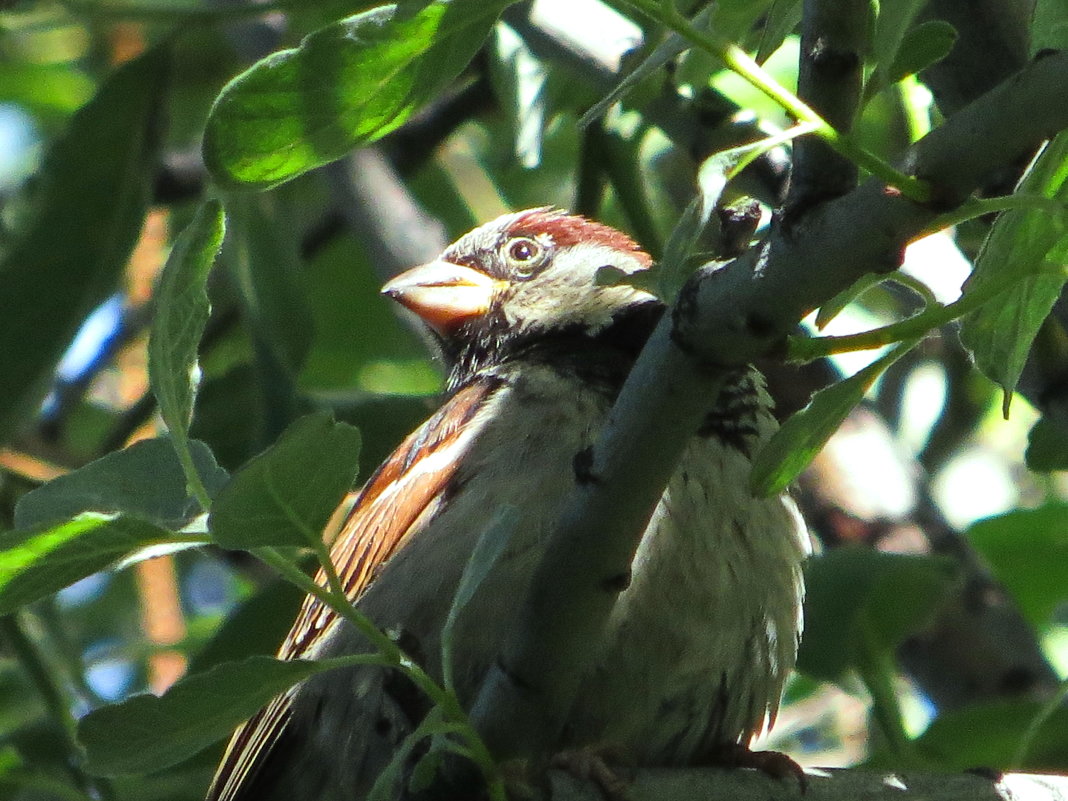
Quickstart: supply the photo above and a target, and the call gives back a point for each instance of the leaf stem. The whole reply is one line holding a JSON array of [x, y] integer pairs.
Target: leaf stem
[[1036, 724], [740, 62], [192, 476], [877, 672], [807, 349], [334, 597], [48, 687], [977, 207]]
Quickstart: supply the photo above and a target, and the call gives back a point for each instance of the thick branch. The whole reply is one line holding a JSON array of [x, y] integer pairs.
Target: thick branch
[[834, 34], [830, 785], [724, 319], [993, 38], [745, 313]]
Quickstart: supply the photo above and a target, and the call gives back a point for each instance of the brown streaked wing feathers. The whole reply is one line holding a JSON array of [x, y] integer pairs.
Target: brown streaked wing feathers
[[393, 499]]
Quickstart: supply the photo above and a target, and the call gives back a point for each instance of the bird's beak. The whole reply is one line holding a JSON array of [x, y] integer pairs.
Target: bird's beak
[[443, 294]]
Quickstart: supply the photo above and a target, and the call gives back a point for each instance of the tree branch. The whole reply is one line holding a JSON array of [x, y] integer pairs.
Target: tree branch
[[723, 319], [834, 36], [822, 785]]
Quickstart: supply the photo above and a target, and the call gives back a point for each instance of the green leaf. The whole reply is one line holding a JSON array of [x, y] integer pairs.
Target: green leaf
[[181, 313], [1047, 447], [347, 84], [69, 249], [858, 599], [1028, 552], [1049, 26], [48, 89], [926, 44], [144, 480], [891, 27], [257, 626], [989, 735], [1030, 248], [264, 256], [732, 19], [664, 52], [39, 561], [793, 446], [782, 18], [285, 496], [491, 544], [147, 733]]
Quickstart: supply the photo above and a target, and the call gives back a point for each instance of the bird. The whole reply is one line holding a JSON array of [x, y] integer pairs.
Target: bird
[[697, 647]]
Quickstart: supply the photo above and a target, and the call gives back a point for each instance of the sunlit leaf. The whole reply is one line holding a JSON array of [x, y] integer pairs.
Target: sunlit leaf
[[347, 84], [1031, 246], [801, 437], [40, 561]]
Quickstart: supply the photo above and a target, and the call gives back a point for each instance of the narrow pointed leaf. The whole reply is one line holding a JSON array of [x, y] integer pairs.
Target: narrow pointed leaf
[[181, 313], [67, 251], [801, 437]]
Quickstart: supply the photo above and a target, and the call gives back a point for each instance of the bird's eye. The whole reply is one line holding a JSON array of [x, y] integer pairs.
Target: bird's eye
[[524, 255]]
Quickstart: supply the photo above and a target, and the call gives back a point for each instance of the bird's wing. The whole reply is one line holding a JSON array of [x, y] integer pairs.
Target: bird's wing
[[398, 500]]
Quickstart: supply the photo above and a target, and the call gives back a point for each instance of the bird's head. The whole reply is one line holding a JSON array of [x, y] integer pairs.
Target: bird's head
[[523, 279]]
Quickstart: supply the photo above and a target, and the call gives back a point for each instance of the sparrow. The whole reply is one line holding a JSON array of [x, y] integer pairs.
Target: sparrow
[[697, 647]]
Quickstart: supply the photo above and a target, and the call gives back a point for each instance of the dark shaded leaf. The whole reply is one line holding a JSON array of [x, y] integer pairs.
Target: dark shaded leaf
[[285, 496], [1047, 447], [990, 735], [347, 84], [264, 255], [858, 598], [257, 626], [782, 18], [144, 480], [181, 313], [146, 733], [924, 45], [40, 561], [81, 224], [1028, 551], [891, 27]]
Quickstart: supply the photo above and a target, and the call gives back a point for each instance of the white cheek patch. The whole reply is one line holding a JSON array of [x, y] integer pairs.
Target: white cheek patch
[[566, 292]]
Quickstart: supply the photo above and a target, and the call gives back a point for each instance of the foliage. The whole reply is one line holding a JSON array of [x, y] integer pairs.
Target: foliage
[[264, 327]]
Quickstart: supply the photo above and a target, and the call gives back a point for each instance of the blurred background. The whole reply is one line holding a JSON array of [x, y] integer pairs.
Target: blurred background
[[926, 467]]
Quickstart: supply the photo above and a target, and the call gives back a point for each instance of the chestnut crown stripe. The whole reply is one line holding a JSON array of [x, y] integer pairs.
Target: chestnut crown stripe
[[569, 229]]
